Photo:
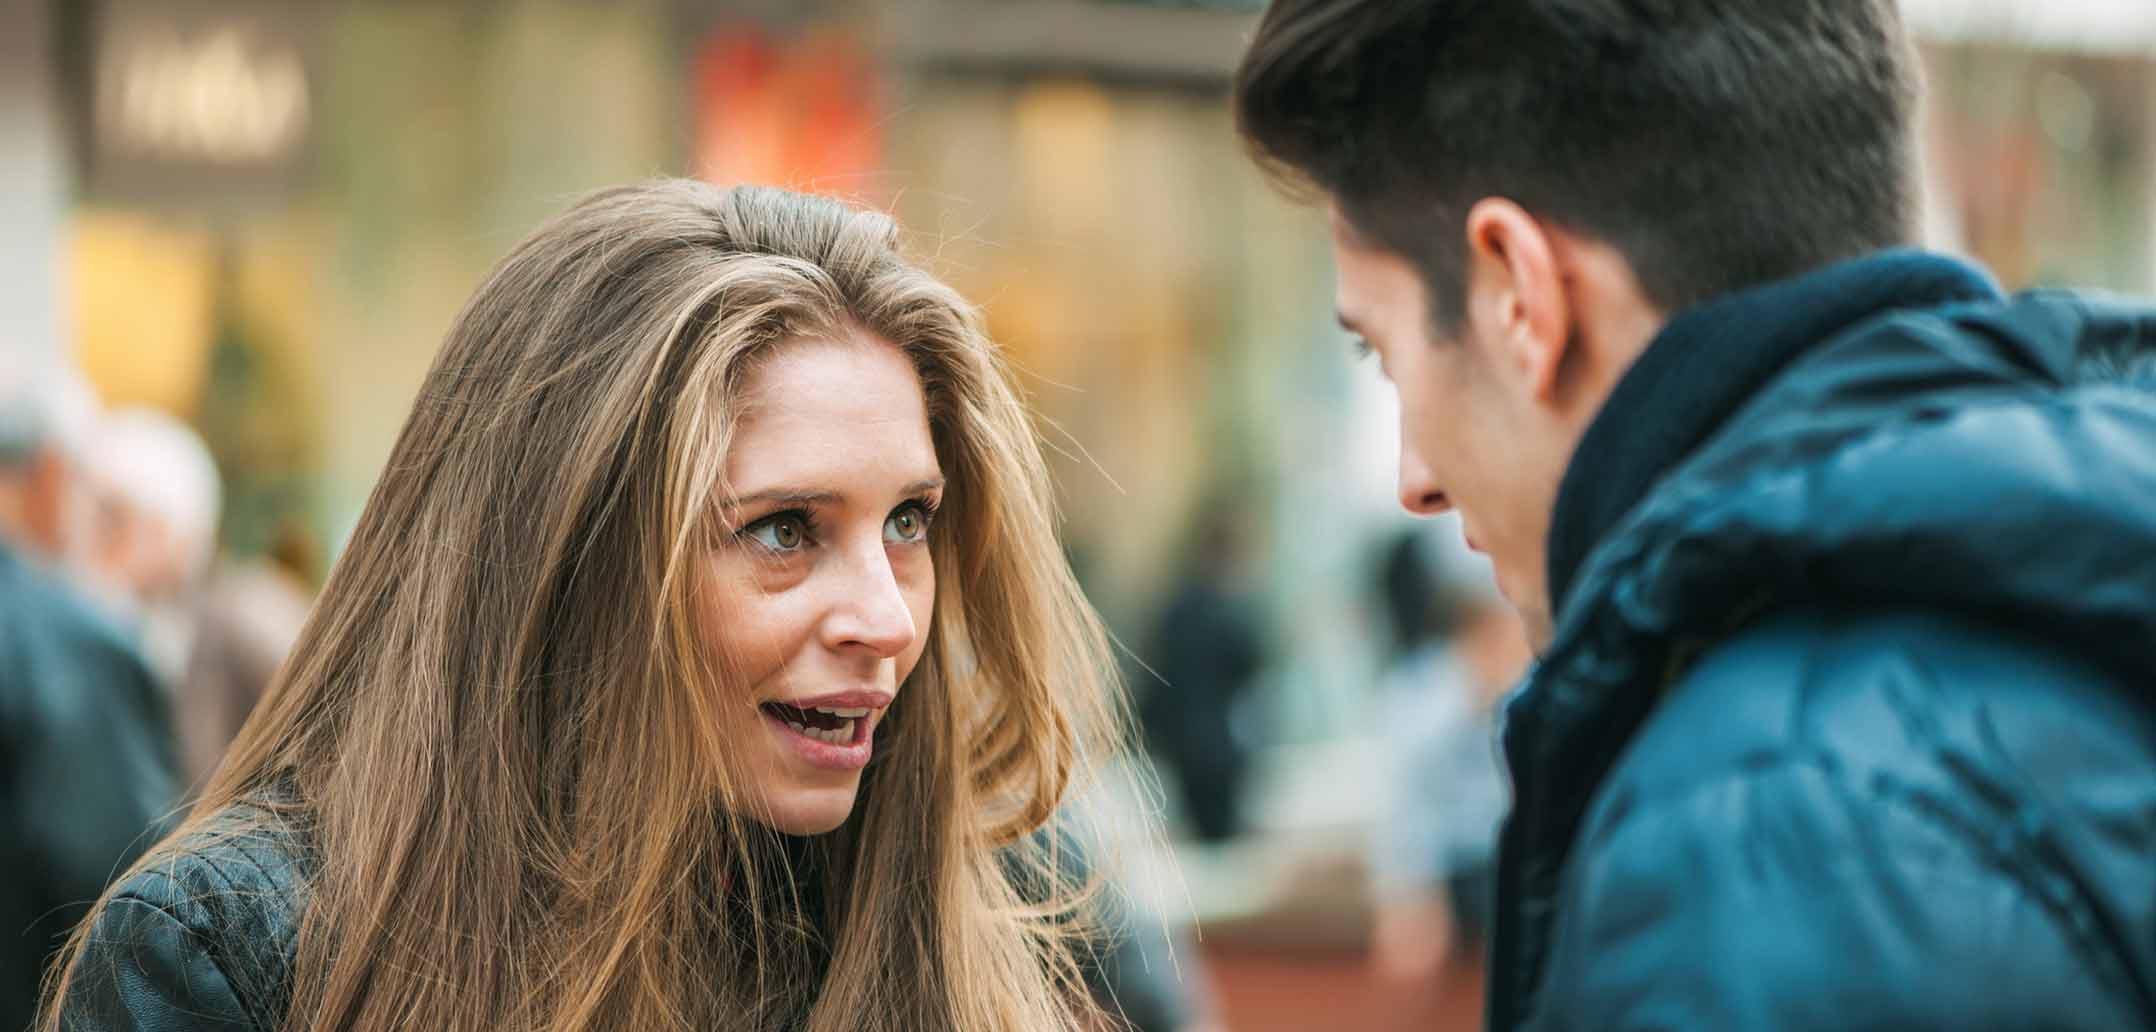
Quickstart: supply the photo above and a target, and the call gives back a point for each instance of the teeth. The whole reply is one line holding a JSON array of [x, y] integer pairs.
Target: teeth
[[841, 735], [849, 714]]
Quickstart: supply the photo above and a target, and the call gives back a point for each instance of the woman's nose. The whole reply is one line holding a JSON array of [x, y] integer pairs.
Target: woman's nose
[[871, 614]]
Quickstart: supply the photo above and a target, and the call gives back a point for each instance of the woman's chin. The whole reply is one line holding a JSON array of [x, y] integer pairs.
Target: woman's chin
[[810, 812]]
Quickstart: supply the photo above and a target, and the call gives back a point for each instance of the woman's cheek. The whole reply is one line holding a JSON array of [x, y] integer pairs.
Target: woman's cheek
[[921, 600], [745, 623]]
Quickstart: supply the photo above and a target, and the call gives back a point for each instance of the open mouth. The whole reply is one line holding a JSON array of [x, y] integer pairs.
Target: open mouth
[[838, 725]]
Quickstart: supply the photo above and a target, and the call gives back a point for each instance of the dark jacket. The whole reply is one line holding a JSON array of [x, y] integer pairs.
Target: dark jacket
[[1847, 721], [206, 939], [85, 770], [203, 939]]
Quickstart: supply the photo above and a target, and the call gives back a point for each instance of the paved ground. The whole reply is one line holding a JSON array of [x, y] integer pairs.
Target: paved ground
[[1275, 991]]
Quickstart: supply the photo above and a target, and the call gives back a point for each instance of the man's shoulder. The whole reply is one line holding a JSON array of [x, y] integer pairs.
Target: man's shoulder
[[1799, 896], [1880, 695], [1795, 838], [2071, 326]]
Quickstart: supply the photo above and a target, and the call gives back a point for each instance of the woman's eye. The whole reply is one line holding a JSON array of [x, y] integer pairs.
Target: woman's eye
[[779, 534], [907, 525]]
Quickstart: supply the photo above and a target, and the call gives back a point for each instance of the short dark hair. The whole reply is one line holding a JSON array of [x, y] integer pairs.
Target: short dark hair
[[1716, 144]]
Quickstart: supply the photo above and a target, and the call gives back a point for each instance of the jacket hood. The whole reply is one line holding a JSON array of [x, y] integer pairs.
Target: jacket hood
[[1986, 459]]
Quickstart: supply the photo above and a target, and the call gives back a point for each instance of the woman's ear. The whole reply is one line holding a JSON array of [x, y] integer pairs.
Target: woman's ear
[[1516, 300]]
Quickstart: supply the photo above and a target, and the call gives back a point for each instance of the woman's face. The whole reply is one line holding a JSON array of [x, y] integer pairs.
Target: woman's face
[[820, 591]]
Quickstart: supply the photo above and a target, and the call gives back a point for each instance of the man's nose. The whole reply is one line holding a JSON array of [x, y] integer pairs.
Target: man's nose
[[1419, 493]]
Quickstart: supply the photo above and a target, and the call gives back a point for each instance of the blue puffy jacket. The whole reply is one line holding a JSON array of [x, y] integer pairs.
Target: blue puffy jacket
[[1850, 719]]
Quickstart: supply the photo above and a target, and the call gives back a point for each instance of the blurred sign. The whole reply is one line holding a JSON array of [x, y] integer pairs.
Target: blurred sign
[[200, 103], [2100, 26], [1190, 43], [1234, 6], [802, 110]]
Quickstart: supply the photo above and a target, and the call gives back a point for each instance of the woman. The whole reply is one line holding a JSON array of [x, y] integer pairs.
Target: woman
[[704, 659]]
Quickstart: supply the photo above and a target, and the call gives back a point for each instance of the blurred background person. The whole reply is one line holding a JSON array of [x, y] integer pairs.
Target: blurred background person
[[213, 630], [157, 498], [47, 509], [244, 622], [1456, 648], [85, 742], [1205, 654]]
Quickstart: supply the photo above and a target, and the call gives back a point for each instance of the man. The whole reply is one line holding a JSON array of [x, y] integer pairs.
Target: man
[[159, 496], [1841, 566], [85, 752]]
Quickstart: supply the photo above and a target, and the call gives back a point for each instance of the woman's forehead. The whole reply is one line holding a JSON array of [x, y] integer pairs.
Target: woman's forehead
[[827, 414]]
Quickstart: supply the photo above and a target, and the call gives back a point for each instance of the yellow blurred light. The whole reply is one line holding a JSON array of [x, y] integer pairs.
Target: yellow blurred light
[[141, 295]]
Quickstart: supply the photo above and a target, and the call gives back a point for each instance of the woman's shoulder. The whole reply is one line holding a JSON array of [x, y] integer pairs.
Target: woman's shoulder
[[243, 869], [206, 927]]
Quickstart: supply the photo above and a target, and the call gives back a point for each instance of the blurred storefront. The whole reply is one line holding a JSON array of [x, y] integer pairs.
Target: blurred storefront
[[2043, 162], [33, 164], [268, 198], [279, 207], [277, 196]]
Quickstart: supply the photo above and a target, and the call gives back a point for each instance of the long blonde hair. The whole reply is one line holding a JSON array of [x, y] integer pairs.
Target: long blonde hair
[[498, 724]]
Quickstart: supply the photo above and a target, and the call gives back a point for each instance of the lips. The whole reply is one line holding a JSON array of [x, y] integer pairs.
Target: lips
[[862, 699], [834, 724], [834, 731]]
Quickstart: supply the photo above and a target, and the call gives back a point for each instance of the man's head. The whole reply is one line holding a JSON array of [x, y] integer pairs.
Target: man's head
[[47, 414], [1522, 192], [159, 496]]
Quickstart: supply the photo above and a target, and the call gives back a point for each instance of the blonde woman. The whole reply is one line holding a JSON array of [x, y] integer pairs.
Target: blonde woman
[[704, 659]]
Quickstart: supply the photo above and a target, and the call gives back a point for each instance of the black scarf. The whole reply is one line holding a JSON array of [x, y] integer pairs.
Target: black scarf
[[1706, 363]]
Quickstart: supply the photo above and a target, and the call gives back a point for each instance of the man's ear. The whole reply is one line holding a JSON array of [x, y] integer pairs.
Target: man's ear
[[1516, 298]]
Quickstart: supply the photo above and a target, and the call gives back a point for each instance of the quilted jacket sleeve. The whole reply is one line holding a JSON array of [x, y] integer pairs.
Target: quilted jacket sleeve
[[1779, 900], [1918, 841], [145, 971]]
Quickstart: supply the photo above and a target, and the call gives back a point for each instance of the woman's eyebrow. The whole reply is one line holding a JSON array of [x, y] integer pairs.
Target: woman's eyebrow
[[796, 497], [786, 496]]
